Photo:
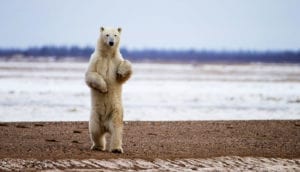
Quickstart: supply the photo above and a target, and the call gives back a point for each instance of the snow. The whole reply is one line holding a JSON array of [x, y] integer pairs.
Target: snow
[[41, 91]]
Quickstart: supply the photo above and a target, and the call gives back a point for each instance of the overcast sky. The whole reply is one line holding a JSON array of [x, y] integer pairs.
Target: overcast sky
[[162, 24]]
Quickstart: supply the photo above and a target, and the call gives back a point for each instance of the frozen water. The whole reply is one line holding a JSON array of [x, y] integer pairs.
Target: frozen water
[[41, 91], [225, 163]]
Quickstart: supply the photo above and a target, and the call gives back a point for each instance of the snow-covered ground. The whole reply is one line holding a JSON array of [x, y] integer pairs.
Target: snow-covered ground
[[41, 91]]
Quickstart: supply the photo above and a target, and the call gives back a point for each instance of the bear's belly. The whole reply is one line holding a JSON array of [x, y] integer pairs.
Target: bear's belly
[[106, 103]]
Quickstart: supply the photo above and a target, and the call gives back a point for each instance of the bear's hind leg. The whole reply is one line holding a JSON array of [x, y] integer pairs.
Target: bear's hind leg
[[98, 142], [116, 130], [97, 135]]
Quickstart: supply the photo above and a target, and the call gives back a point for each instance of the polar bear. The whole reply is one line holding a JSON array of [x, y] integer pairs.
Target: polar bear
[[106, 73]]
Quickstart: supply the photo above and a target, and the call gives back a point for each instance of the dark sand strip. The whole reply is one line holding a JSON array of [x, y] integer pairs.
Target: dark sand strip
[[151, 140]]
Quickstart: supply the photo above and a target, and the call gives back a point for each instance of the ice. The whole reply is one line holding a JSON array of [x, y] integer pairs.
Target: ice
[[224, 163], [41, 91]]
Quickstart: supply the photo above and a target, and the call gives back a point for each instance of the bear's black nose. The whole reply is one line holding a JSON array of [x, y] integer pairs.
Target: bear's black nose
[[111, 43]]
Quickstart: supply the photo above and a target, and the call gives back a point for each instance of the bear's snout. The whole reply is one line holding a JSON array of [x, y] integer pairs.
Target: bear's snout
[[111, 43]]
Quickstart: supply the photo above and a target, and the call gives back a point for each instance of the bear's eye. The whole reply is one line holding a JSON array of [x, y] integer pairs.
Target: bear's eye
[[107, 35], [115, 35]]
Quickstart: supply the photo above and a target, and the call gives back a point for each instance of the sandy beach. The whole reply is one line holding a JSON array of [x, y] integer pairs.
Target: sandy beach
[[29, 145]]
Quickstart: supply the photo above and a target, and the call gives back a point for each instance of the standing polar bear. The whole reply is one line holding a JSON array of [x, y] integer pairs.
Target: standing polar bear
[[106, 73]]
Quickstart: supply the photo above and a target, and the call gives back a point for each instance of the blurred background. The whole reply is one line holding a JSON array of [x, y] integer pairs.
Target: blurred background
[[193, 60]]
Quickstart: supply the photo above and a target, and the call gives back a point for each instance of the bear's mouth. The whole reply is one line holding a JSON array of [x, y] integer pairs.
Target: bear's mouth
[[111, 43]]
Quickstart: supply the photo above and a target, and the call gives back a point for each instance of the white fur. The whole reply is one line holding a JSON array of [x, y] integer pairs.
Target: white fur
[[106, 73]]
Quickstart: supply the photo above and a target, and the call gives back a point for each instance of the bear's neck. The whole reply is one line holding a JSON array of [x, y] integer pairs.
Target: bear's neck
[[107, 51]]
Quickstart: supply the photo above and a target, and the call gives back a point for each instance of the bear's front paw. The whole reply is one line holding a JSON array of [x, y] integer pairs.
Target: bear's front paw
[[98, 85], [124, 69], [117, 150], [121, 75], [103, 89]]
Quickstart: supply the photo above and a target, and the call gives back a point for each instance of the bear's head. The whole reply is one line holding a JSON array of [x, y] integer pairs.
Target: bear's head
[[110, 37]]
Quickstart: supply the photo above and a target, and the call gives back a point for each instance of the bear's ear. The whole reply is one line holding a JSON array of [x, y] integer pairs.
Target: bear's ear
[[101, 29], [119, 29]]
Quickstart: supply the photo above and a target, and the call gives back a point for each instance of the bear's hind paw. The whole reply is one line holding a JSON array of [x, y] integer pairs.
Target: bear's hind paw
[[117, 150], [97, 148]]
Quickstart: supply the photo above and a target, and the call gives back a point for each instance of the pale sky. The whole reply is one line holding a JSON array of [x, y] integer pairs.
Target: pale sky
[[159, 24]]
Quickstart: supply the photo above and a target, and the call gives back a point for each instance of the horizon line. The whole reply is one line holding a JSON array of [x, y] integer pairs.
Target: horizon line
[[156, 48]]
